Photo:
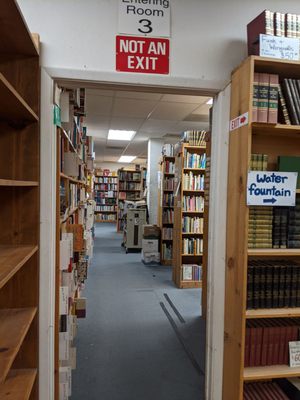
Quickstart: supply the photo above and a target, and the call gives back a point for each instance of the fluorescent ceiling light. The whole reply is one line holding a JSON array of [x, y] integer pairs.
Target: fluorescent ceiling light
[[120, 135], [126, 159], [210, 101]]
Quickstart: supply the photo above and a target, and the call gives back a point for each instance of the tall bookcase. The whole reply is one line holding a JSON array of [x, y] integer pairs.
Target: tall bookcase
[[166, 204], [183, 212], [20, 206], [106, 197], [74, 242], [129, 188], [253, 138]]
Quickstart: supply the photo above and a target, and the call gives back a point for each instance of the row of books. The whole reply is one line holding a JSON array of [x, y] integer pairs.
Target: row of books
[[264, 391], [191, 272], [129, 196], [273, 284], [106, 179], [168, 150], [100, 208], [129, 176], [169, 167], [260, 227], [259, 162], [105, 201], [106, 195], [193, 203], [267, 341], [193, 182], [192, 246], [168, 199], [194, 138], [169, 184], [168, 217], [167, 251], [194, 160], [167, 233], [265, 98], [106, 186], [192, 225], [105, 217], [129, 186]]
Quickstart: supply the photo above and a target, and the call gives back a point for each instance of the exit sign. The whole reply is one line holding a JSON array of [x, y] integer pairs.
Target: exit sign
[[142, 55]]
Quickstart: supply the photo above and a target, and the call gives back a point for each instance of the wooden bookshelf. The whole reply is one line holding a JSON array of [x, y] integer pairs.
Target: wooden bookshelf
[[75, 215], [179, 257], [166, 189], [273, 140], [102, 185], [131, 187], [20, 207]]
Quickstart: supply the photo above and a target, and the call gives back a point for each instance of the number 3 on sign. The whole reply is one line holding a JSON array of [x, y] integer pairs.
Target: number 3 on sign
[[146, 26]]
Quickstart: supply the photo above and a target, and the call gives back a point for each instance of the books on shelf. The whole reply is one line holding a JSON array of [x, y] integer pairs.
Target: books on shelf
[[192, 246], [168, 184], [194, 138], [265, 98], [194, 160], [100, 208], [260, 228], [167, 233], [169, 167], [267, 341], [193, 181], [192, 224], [263, 391], [106, 187], [168, 150], [259, 162], [112, 180], [290, 164], [193, 203], [168, 200], [129, 195], [191, 272], [129, 176], [167, 251], [168, 216], [273, 284], [105, 217], [129, 186]]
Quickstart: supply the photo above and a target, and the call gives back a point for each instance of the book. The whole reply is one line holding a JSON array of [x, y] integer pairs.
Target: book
[[255, 97], [290, 164], [263, 23], [263, 97], [288, 91], [273, 99], [283, 106]]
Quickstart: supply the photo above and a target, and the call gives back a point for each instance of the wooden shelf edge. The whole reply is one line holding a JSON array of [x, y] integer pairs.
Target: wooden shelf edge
[[14, 325], [270, 372], [73, 180], [12, 182], [190, 284], [273, 313], [274, 252], [9, 268], [18, 384], [63, 220]]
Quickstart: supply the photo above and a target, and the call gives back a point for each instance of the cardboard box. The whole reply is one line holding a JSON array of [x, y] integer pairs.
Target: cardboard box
[[150, 258], [150, 245], [151, 232]]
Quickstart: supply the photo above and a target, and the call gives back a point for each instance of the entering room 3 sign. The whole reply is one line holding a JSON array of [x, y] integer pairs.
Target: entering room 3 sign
[[144, 17], [142, 55]]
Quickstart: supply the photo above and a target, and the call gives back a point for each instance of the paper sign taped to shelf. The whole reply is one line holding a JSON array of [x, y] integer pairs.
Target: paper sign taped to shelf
[[294, 348], [142, 55], [271, 188], [239, 122], [280, 47]]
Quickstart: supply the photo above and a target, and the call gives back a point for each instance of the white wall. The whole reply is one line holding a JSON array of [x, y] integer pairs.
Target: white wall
[[154, 156], [208, 38]]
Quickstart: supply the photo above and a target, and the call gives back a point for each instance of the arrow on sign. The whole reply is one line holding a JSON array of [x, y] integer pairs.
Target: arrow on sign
[[270, 200]]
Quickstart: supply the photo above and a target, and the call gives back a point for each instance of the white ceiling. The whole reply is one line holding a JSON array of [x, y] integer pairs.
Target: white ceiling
[[151, 115]]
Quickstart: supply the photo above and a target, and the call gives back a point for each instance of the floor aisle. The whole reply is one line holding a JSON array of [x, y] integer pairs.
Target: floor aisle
[[133, 345]]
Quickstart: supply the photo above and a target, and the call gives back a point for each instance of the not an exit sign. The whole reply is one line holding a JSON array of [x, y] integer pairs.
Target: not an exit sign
[[142, 54]]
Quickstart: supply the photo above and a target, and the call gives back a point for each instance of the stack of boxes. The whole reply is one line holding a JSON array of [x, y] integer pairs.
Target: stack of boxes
[[151, 240]]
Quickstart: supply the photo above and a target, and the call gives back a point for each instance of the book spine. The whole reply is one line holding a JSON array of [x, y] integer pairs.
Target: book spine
[[288, 25], [263, 102], [296, 95], [273, 99], [255, 97], [290, 102], [283, 106]]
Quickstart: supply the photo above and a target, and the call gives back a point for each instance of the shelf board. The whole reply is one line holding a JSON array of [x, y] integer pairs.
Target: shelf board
[[14, 325], [190, 284], [194, 169], [110, 212], [108, 222], [123, 180], [191, 233], [192, 212], [167, 206], [274, 252], [168, 223], [169, 173], [270, 372], [192, 191], [189, 146], [12, 105], [12, 258], [12, 182], [273, 313], [276, 129], [73, 180], [18, 384], [192, 255], [168, 190], [167, 240]]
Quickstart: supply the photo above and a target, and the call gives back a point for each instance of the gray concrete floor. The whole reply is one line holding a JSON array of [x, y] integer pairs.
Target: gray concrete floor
[[127, 347]]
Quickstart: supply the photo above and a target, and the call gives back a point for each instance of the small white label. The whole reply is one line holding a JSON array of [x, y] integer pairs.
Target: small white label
[[294, 348], [271, 188], [238, 122], [280, 47]]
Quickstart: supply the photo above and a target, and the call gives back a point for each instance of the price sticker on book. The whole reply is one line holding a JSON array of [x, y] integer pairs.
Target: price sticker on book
[[294, 348], [271, 188]]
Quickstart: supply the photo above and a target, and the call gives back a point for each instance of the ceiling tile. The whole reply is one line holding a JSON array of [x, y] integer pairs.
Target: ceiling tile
[[98, 133], [97, 122], [130, 124], [179, 98], [173, 111], [155, 125], [98, 105], [132, 108], [99, 92], [138, 95]]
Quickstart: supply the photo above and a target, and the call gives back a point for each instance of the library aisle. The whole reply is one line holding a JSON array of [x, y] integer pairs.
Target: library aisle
[[142, 338]]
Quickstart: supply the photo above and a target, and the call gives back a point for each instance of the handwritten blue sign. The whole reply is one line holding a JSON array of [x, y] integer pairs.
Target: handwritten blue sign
[[269, 188]]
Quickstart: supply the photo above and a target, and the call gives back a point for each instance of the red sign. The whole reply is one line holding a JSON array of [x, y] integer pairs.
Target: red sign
[[142, 54]]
